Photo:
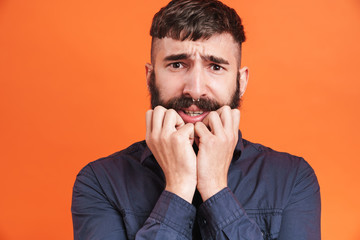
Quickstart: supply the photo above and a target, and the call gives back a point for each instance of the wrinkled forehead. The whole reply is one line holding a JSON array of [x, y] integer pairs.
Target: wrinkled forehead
[[220, 45]]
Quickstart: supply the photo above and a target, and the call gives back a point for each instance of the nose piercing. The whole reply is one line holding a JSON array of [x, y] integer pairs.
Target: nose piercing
[[196, 100]]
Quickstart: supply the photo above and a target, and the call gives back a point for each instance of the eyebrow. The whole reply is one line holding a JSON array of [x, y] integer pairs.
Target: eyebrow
[[182, 56], [175, 57], [214, 59]]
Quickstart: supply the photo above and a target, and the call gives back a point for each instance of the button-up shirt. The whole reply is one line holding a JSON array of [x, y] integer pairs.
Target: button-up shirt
[[270, 195]]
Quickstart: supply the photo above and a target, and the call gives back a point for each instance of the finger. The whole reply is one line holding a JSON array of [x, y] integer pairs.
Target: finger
[[187, 131], [226, 117], [205, 121], [148, 118], [179, 121], [157, 119], [172, 120], [201, 130], [213, 121], [235, 113]]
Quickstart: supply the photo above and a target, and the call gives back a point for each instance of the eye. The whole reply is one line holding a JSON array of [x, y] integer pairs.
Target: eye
[[176, 65], [216, 67]]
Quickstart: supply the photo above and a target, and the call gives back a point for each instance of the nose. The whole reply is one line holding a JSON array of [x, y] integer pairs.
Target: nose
[[195, 83]]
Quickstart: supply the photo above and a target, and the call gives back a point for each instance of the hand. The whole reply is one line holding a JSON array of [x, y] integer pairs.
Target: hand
[[216, 149], [170, 140]]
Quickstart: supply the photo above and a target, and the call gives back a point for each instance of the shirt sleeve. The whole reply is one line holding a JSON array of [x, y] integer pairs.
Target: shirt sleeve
[[301, 216], [95, 217], [171, 218], [222, 217]]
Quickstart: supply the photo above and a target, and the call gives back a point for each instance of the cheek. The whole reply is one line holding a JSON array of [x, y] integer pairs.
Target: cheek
[[169, 87], [222, 90]]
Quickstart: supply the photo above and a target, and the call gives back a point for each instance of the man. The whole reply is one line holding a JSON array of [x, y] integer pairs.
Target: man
[[195, 177]]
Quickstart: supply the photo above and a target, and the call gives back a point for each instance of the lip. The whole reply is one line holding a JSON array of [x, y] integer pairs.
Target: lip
[[192, 119]]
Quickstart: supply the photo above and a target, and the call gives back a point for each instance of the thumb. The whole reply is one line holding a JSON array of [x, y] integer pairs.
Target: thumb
[[201, 130]]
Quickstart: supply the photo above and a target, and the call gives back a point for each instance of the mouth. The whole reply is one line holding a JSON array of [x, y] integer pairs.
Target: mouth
[[192, 115]]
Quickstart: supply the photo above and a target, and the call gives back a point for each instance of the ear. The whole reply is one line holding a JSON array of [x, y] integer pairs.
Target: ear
[[244, 77], [148, 70]]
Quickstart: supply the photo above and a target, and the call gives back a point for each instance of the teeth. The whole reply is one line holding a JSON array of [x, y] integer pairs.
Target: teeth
[[193, 113]]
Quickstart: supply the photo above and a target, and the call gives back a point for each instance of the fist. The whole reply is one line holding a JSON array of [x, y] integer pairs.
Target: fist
[[170, 140], [217, 137]]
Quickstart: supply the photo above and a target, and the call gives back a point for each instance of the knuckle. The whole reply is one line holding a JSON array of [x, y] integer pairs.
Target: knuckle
[[213, 114], [159, 109], [212, 141], [163, 138], [226, 108], [191, 126], [176, 139], [231, 137], [236, 111], [223, 140], [149, 112], [170, 111]]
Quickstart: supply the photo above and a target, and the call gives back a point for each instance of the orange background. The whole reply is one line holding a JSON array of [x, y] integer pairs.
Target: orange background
[[73, 90]]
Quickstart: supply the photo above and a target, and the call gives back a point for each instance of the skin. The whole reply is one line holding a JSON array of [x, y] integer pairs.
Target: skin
[[197, 69]]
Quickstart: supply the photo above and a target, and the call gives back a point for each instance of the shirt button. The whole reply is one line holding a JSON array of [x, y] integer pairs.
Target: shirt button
[[204, 221]]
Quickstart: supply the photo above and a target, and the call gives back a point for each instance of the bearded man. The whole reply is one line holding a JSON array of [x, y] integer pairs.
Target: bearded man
[[195, 177]]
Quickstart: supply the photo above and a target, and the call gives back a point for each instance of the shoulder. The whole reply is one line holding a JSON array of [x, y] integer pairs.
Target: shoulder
[[134, 152], [273, 158], [129, 156], [119, 163], [279, 170], [119, 173], [277, 166]]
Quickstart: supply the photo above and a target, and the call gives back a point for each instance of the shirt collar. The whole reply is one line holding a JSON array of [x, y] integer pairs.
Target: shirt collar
[[238, 149], [146, 154], [240, 143]]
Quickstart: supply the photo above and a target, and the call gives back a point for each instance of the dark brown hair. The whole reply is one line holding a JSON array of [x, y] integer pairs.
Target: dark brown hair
[[196, 19]]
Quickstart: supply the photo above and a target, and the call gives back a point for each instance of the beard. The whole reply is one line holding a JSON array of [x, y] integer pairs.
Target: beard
[[181, 102]]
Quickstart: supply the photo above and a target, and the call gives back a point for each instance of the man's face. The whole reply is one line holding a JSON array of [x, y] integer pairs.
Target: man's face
[[196, 77]]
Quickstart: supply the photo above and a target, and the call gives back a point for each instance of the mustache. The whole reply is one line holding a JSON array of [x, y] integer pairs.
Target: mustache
[[185, 101], [178, 103]]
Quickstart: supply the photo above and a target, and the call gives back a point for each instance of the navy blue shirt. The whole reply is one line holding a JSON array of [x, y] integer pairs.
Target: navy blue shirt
[[270, 195]]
